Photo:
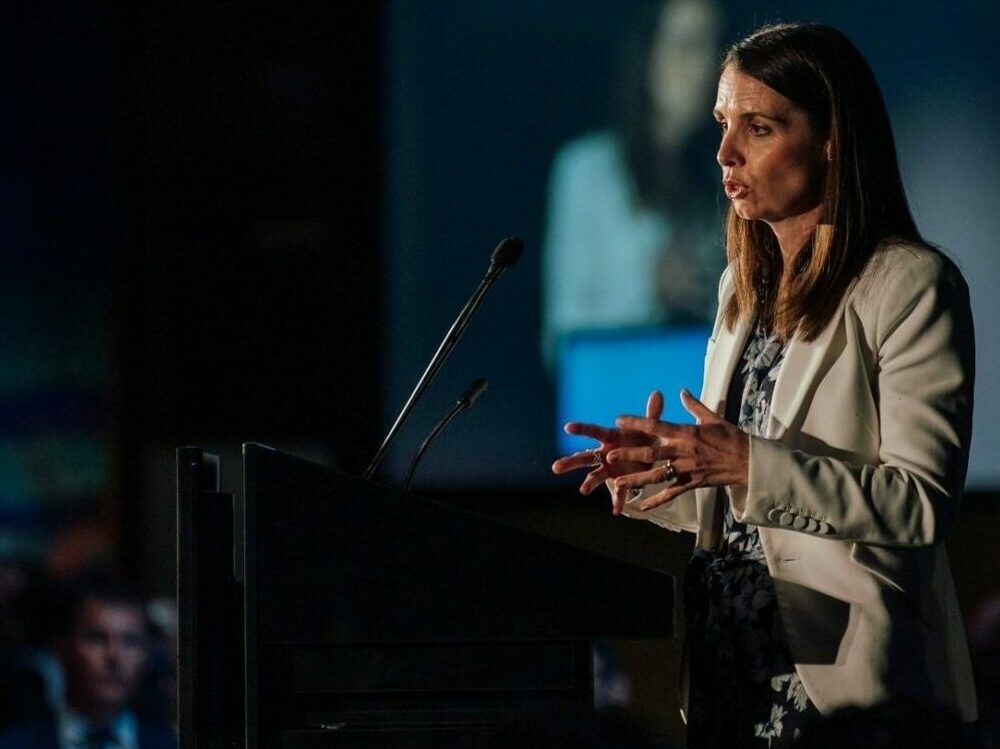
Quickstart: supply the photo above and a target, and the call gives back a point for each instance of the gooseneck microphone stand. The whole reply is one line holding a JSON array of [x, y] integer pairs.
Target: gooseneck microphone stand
[[503, 257]]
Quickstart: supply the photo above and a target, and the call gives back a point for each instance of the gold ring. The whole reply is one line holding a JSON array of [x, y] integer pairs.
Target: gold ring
[[668, 471]]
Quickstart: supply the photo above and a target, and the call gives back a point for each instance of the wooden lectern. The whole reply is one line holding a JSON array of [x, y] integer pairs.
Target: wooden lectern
[[318, 610]]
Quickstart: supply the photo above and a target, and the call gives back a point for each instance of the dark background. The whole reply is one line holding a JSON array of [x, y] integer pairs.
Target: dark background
[[249, 155], [229, 221], [249, 149]]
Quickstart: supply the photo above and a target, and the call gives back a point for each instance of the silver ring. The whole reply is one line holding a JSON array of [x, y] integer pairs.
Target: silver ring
[[596, 459], [668, 471]]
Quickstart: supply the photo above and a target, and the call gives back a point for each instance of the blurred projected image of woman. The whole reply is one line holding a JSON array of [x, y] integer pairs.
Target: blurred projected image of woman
[[632, 237]]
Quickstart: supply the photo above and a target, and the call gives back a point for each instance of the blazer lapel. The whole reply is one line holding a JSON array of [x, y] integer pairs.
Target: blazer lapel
[[720, 364], [798, 376]]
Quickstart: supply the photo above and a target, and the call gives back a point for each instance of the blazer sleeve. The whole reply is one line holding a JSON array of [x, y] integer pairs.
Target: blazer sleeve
[[923, 379]]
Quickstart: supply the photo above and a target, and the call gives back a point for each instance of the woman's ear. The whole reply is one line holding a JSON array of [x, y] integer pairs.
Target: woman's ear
[[828, 150]]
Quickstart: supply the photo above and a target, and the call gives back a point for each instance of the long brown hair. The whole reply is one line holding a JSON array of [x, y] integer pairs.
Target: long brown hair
[[820, 71]]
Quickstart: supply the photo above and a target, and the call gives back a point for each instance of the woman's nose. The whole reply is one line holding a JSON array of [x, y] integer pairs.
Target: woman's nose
[[728, 154]]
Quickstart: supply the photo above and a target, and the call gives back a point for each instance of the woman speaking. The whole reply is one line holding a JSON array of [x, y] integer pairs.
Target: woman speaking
[[832, 434]]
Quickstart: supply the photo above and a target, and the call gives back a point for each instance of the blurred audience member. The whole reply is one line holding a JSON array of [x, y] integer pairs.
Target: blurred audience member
[[157, 697], [102, 645]]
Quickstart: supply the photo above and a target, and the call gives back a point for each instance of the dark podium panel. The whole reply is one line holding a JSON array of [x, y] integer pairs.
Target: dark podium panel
[[374, 618]]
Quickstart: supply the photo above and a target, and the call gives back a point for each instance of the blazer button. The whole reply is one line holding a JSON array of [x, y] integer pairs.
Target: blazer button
[[800, 523], [786, 518], [774, 515], [825, 528], [812, 525]]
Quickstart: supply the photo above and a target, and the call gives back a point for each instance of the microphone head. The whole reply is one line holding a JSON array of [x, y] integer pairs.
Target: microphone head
[[507, 253], [470, 396]]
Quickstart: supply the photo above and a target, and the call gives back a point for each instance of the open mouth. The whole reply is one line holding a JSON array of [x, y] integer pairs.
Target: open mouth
[[735, 190]]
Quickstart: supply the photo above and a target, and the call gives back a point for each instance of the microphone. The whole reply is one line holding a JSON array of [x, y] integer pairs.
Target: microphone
[[506, 253], [464, 403], [503, 257]]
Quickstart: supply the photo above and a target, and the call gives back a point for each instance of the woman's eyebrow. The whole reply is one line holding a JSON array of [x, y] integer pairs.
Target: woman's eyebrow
[[717, 113]]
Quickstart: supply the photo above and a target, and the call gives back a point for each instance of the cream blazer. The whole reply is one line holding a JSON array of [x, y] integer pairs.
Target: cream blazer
[[857, 482]]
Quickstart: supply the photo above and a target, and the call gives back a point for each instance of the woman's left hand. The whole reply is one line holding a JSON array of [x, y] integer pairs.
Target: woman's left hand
[[712, 452]]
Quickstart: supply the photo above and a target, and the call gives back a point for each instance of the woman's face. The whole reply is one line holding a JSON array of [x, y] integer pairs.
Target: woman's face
[[773, 161]]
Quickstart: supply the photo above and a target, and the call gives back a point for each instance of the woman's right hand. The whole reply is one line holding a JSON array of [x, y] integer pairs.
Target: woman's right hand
[[609, 438]]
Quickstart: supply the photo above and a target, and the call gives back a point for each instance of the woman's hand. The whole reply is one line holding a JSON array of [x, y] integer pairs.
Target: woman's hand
[[711, 453], [610, 440]]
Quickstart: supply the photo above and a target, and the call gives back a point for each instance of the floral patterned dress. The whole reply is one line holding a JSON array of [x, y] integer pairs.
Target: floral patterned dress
[[744, 691]]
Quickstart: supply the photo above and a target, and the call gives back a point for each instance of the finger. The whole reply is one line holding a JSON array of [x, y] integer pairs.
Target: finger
[[565, 465], [647, 454], [593, 480], [573, 462], [664, 496], [640, 478], [647, 426], [654, 405], [702, 413], [596, 431], [618, 497]]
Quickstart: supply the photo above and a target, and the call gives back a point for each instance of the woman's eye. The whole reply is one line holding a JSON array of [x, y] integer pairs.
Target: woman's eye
[[722, 125], [758, 129]]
